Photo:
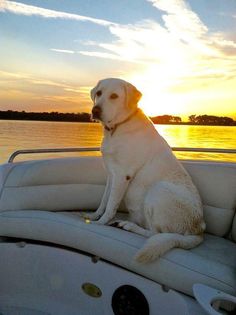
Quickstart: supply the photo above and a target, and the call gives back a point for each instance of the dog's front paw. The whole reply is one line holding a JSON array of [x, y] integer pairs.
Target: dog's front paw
[[92, 216], [101, 220], [124, 225]]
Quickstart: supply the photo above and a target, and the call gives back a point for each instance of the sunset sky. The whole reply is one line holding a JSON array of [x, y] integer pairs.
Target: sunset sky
[[180, 54]]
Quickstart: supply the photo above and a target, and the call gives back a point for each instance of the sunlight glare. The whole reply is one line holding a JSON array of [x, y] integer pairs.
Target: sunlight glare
[[155, 83]]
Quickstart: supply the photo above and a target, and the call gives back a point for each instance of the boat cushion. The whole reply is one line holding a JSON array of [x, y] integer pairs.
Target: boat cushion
[[212, 263], [78, 184], [216, 183], [53, 185], [234, 229]]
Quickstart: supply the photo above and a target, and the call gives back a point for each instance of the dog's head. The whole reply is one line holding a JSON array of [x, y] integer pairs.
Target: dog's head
[[113, 101]]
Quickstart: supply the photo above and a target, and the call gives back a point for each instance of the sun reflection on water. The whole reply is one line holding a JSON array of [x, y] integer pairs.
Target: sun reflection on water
[[17, 135]]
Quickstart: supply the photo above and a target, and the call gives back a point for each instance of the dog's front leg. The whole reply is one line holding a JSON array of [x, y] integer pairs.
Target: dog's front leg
[[119, 185], [98, 213]]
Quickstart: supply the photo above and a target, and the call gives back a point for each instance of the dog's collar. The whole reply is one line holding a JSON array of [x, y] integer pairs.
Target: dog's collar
[[113, 129]]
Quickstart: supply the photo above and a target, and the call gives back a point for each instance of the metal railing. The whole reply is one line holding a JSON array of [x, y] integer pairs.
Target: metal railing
[[95, 149], [55, 150]]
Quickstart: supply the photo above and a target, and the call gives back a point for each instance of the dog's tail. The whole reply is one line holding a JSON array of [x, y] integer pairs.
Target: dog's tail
[[158, 244]]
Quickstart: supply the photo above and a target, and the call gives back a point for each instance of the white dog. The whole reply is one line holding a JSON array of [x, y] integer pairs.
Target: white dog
[[160, 196]]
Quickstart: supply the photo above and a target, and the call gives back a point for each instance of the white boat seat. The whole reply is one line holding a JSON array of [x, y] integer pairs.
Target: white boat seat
[[78, 183], [213, 263]]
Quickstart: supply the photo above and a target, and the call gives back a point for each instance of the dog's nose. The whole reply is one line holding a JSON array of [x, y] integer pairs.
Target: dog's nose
[[96, 111]]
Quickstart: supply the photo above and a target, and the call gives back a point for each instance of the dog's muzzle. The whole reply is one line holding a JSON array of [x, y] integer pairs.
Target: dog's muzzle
[[96, 112]]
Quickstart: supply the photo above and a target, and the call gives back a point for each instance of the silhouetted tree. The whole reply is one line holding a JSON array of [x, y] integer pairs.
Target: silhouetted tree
[[211, 120], [166, 119], [192, 118]]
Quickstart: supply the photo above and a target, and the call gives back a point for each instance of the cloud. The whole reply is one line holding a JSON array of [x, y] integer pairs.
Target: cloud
[[182, 42], [226, 46], [180, 17], [17, 77], [180, 54], [13, 75], [177, 57], [32, 83], [144, 42], [29, 10], [83, 92], [106, 55], [66, 51], [32, 91], [148, 41]]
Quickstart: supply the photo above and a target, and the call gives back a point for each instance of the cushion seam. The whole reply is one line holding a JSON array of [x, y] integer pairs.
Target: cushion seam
[[40, 185], [6, 178]]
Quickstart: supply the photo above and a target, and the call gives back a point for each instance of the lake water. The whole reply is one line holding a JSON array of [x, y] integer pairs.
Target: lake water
[[16, 135]]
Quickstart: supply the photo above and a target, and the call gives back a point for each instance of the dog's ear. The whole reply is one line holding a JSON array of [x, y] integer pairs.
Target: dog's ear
[[93, 92], [132, 95]]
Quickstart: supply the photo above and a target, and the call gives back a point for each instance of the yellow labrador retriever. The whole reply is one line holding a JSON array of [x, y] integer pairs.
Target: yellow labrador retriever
[[160, 196]]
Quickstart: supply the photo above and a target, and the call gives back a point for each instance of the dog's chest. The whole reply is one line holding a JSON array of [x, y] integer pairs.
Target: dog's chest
[[110, 146], [115, 150]]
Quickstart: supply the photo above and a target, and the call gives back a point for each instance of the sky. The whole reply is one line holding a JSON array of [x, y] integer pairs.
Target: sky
[[180, 54]]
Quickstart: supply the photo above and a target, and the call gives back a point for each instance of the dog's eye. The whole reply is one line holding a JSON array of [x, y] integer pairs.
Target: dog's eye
[[99, 93], [114, 96]]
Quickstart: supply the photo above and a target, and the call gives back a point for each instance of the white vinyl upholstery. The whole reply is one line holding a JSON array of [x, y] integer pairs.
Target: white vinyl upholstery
[[58, 184], [216, 183], [78, 184], [212, 263], [72, 184], [234, 229]]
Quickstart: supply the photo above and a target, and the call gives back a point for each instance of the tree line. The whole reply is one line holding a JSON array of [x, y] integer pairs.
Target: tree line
[[195, 120], [212, 120], [52, 116], [86, 117]]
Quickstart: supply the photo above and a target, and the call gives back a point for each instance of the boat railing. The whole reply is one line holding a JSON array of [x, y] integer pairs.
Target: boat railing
[[95, 149]]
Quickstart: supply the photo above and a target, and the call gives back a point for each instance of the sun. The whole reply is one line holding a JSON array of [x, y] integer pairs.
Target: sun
[[156, 83], [155, 103]]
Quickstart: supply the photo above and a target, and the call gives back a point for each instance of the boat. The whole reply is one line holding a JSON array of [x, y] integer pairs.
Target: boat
[[54, 261]]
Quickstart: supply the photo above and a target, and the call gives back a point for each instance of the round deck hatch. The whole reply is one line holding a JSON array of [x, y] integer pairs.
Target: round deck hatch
[[128, 300]]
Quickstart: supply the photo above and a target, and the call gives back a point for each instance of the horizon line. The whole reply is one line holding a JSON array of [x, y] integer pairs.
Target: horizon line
[[84, 112], [88, 113]]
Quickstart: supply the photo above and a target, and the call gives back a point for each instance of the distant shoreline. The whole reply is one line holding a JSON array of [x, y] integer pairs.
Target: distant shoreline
[[92, 122], [201, 120]]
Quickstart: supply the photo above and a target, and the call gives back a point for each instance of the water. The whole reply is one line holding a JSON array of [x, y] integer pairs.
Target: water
[[16, 135]]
